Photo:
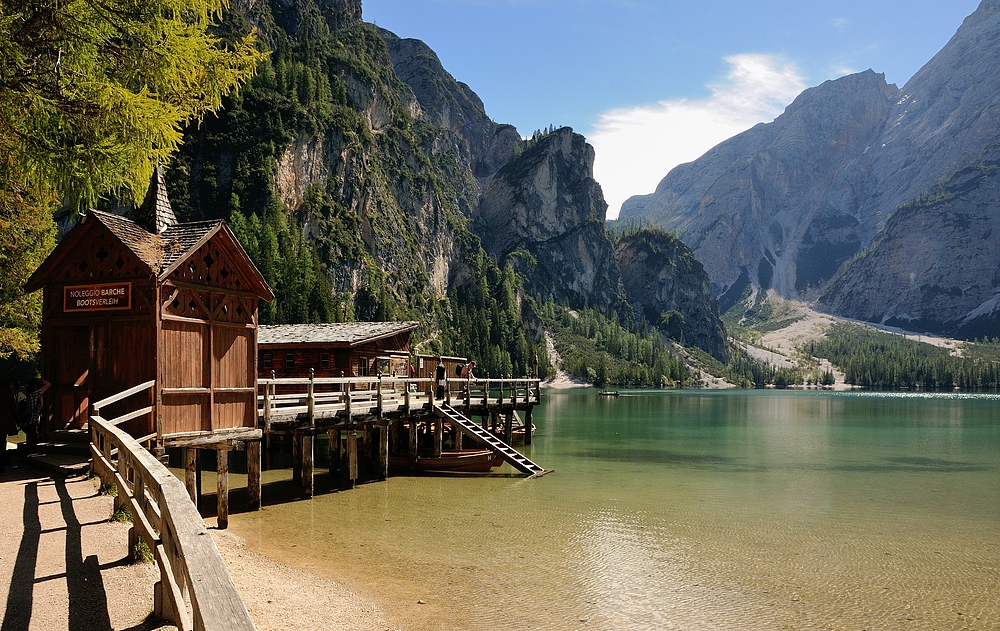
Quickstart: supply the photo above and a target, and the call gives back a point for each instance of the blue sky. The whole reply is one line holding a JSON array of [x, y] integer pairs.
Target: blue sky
[[653, 84]]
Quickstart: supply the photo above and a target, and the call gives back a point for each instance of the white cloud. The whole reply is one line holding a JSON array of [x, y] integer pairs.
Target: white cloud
[[637, 146]]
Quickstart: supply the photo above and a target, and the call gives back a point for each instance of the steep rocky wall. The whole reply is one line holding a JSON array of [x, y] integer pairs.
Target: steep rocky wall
[[544, 213], [669, 287]]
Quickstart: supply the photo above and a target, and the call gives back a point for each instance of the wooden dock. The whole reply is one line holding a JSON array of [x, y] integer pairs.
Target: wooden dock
[[389, 416]]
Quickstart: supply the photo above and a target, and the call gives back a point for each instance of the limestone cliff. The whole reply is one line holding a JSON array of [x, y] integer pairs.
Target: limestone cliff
[[667, 285], [544, 213], [776, 206], [936, 266]]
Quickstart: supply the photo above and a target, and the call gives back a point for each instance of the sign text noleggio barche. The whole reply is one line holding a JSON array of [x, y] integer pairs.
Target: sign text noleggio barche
[[98, 297]]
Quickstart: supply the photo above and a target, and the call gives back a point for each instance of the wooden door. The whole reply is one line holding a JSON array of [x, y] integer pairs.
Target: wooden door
[[71, 378]]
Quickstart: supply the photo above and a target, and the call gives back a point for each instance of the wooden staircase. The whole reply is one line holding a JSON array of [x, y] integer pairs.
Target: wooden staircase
[[469, 428]]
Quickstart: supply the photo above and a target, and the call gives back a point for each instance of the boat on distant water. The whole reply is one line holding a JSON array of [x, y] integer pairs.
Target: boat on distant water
[[608, 393]]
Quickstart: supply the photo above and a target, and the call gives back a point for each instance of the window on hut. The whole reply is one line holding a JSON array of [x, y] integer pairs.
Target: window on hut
[[362, 366], [324, 360], [289, 361], [265, 360]]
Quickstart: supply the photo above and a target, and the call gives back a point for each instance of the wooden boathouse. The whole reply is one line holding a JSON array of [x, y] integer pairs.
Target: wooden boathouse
[[161, 311]]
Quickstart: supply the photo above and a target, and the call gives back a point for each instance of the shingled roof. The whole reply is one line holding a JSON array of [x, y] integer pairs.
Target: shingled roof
[[162, 250], [333, 334]]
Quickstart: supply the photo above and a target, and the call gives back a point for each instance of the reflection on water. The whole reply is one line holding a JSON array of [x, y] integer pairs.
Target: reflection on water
[[684, 510]]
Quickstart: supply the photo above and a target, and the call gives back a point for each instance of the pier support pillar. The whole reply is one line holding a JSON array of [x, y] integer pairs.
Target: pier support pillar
[[333, 450], [383, 452], [253, 474], [352, 456], [297, 459], [191, 476], [438, 436], [527, 427], [508, 427], [222, 493], [413, 442], [308, 468]]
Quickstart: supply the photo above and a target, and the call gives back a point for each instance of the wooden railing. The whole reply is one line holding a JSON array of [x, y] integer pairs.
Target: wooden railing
[[363, 396], [195, 591]]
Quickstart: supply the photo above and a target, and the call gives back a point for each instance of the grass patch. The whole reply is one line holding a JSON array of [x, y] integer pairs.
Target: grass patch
[[141, 552], [122, 515]]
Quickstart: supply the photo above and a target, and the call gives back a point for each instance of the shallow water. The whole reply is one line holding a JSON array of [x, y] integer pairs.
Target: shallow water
[[683, 510]]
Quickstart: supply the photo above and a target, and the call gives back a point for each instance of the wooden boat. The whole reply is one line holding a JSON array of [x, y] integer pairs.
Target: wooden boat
[[467, 461], [608, 393]]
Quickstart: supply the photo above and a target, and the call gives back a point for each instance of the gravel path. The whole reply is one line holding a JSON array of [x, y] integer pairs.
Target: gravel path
[[63, 563]]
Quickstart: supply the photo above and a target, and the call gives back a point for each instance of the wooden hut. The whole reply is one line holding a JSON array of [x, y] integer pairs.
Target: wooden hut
[[130, 301], [344, 349]]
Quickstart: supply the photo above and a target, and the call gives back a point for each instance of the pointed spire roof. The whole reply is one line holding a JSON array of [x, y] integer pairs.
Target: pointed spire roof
[[155, 214]]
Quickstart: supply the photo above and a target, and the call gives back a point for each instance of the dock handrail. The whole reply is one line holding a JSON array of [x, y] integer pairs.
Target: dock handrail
[[317, 395], [195, 590]]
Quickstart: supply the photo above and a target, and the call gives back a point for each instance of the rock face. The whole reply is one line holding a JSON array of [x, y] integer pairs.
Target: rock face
[[451, 106], [789, 204], [936, 265], [776, 206], [544, 213], [667, 285]]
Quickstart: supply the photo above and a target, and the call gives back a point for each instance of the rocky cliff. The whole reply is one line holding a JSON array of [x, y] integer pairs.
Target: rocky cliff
[[787, 204], [936, 265], [667, 285], [544, 213]]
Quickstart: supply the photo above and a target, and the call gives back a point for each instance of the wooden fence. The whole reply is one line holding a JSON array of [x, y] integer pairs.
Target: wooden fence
[[195, 590], [366, 396]]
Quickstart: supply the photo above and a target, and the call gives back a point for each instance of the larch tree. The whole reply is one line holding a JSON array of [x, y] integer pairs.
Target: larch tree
[[93, 94]]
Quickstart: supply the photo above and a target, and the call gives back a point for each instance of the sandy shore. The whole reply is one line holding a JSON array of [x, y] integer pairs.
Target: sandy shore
[[280, 597], [63, 563]]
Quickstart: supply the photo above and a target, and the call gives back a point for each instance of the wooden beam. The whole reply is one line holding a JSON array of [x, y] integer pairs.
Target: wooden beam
[[383, 452], [297, 459], [352, 455], [191, 473], [253, 474], [308, 469], [413, 442], [222, 498], [527, 426]]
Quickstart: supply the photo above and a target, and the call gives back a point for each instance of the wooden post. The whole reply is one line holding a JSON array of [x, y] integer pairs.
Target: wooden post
[[459, 436], [333, 449], [438, 436], [222, 497], [311, 398], [527, 426], [352, 455], [413, 442], [297, 459], [378, 398], [308, 469], [508, 427], [191, 473], [253, 474], [383, 452]]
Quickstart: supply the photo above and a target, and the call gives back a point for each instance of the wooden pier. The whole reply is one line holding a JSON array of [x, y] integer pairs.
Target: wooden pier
[[389, 417]]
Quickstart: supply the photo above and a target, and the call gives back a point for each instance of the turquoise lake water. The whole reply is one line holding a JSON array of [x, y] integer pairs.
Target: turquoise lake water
[[683, 510]]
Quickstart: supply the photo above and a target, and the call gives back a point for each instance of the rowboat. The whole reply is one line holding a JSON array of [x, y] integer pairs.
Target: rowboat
[[466, 461]]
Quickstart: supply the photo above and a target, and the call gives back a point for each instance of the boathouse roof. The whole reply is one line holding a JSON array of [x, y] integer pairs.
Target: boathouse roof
[[160, 253], [346, 334]]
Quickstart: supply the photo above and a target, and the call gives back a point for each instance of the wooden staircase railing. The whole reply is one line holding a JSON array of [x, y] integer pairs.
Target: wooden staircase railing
[[516, 459]]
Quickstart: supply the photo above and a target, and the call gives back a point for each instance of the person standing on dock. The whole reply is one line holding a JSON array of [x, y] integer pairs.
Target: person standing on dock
[[440, 376]]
